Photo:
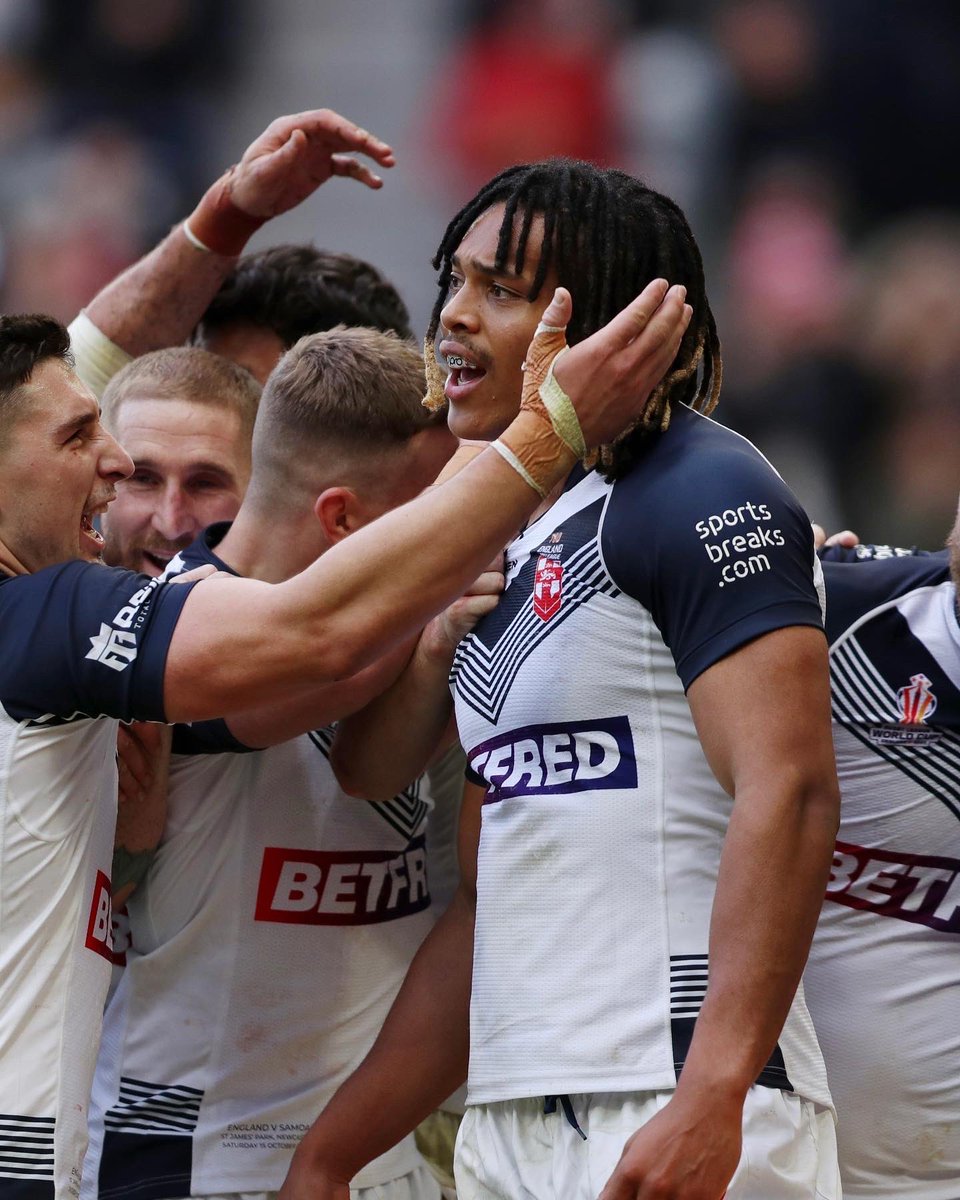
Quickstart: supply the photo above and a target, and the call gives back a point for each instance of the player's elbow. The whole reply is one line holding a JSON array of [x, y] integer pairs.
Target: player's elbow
[[814, 795], [353, 776]]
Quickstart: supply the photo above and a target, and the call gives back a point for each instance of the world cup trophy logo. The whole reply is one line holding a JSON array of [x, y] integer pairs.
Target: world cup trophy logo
[[917, 702]]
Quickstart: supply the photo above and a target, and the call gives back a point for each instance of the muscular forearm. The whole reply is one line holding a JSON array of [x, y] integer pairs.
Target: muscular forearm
[[159, 300], [773, 873], [391, 741], [356, 602], [312, 707], [419, 1058]]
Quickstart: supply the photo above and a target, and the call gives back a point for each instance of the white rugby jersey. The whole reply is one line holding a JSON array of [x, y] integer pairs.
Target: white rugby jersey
[[883, 981], [80, 643], [268, 942], [602, 824]]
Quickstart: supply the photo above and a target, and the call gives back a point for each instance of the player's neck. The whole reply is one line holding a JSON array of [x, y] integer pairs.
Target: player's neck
[[257, 548], [547, 502]]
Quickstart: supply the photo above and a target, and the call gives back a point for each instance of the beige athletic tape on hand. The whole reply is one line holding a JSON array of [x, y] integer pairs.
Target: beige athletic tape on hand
[[549, 444]]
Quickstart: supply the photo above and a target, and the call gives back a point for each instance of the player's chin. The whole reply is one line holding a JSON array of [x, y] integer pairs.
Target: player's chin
[[475, 423]]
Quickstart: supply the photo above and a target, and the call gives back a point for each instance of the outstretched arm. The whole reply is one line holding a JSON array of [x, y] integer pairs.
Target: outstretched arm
[[238, 643], [773, 751], [159, 300]]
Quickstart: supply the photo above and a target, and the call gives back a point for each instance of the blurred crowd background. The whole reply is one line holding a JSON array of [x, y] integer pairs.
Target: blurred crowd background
[[812, 143]]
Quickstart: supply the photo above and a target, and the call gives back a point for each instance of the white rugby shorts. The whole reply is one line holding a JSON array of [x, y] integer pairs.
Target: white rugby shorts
[[513, 1148]]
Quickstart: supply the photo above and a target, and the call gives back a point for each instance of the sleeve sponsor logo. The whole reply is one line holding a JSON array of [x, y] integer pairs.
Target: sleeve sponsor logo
[[730, 541], [558, 759], [362, 887], [115, 646], [911, 887], [99, 937]]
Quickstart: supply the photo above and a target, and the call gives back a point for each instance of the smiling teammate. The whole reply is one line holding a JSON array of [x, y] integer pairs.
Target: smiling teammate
[[637, 939], [84, 645]]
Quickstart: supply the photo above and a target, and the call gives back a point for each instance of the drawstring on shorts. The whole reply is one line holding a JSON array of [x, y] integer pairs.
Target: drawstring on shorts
[[550, 1106]]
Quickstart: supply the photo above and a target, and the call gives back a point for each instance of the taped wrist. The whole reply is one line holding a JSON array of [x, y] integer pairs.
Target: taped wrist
[[542, 392], [216, 225], [535, 450]]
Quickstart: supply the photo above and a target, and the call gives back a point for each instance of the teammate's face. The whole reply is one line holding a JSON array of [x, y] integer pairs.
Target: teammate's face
[[59, 470], [191, 468], [252, 346], [488, 322]]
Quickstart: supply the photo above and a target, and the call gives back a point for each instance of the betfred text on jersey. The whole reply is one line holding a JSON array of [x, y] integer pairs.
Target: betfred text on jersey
[[99, 937], [733, 552], [557, 759], [362, 887], [922, 889]]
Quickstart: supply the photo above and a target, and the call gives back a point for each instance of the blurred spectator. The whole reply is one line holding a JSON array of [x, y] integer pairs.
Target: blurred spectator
[[789, 383], [905, 332], [76, 218], [530, 79], [148, 65]]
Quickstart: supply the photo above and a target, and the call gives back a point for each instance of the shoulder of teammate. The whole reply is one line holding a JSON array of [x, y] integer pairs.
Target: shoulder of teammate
[[857, 585], [706, 535], [200, 553], [79, 637]]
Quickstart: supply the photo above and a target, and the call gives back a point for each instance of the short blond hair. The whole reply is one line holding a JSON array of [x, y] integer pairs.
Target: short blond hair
[[185, 373]]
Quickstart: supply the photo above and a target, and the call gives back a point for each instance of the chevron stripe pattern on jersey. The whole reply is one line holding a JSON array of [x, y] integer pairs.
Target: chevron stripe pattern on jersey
[[484, 675], [864, 701], [406, 812]]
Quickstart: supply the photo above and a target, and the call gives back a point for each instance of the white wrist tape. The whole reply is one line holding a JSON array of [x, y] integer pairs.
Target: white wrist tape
[[508, 456], [193, 239]]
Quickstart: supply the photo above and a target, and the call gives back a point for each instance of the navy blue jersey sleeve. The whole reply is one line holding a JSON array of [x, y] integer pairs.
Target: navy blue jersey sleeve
[[207, 737], [81, 638], [706, 535], [856, 587]]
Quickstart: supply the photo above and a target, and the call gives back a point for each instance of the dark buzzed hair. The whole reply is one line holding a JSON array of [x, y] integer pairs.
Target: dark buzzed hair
[[606, 235], [297, 290], [25, 342]]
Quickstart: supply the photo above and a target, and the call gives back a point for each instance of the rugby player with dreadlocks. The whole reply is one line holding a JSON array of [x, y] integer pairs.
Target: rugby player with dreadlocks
[[651, 799]]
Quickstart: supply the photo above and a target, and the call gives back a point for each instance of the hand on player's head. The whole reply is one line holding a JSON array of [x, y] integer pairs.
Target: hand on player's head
[[609, 375]]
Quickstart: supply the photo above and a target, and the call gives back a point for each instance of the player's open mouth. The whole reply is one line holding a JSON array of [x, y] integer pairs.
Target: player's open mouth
[[88, 529], [160, 561], [464, 375]]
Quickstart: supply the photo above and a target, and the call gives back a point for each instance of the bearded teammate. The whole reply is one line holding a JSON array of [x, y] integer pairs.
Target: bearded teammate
[[637, 942], [84, 645], [882, 976], [280, 914]]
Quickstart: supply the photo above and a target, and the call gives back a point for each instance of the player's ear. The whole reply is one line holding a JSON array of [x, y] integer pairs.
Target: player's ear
[[339, 512]]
